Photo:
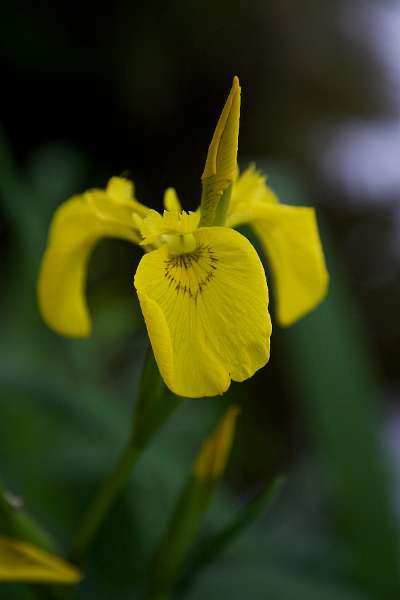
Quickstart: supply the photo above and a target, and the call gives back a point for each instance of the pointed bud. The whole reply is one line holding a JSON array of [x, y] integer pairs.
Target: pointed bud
[[214, 454], [221, 165]]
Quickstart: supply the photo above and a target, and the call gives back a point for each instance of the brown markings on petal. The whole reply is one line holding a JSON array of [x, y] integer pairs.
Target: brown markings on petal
[[191, 273]]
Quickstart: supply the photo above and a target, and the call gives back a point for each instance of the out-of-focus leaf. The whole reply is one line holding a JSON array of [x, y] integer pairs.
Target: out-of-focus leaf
[[27, 210], [331, 367], [152, 409], [16, 591], [212, 548], [16, 523], [263, 581], [155, 404], [191, 506]]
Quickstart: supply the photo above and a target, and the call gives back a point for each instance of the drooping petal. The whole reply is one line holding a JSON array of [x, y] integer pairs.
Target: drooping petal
[[76, 227], [20, 561], [290, 239], [206, 312]]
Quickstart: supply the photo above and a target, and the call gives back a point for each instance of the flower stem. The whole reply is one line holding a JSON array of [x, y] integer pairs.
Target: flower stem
[[222, 208], [190, 509], [98, 509], [152, 408]]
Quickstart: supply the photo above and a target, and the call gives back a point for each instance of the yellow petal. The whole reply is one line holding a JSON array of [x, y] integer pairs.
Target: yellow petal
[[291, 241], [20, 561], [151, 227], [76, 227], [206, 312], [221, 164], [158, 228], [249, 190], [215, 451], [121, 191], [171, 200]]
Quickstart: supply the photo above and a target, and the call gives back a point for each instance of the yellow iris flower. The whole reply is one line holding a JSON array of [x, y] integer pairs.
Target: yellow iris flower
[[201, 285], [20, 561]]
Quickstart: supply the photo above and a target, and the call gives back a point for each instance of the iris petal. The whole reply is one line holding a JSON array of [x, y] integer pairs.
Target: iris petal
[[171, 200], [20, 561], [206, 312], [290, 239], [76, 227]]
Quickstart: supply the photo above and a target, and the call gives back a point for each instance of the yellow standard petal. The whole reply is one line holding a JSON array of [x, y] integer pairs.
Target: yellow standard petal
[[206, 312], [20, 561], [76, 227], [291, 242], [171, 200]]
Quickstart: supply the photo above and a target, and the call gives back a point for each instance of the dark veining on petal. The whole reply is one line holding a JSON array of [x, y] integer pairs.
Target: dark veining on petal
[[202, 264]]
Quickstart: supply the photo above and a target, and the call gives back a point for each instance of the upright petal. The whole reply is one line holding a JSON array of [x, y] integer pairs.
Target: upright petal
[[290, 239], [206, 312], [171, 200], [76, 227]]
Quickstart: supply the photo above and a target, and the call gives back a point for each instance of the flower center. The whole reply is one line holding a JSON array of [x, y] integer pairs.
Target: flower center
[[179, 243], [191, 273], [174, 229]]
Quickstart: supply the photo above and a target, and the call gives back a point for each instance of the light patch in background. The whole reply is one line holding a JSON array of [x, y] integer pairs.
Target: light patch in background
[[375, 28], [362, 159]]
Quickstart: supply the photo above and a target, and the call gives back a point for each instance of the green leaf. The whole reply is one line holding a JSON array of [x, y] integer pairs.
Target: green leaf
[[191, 507], [330, 366], [154, 405], [16, 523], [216, 545]]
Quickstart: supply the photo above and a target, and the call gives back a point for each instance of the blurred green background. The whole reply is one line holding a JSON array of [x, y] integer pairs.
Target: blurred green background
[[90, 90]]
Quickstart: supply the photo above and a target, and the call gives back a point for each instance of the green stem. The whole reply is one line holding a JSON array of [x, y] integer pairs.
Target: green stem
[[98, 509], [208, 204], [211, 549], [178, 538], [222, 208], [153, 407]]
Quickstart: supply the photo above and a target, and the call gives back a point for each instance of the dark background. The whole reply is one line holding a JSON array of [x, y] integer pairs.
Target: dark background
[[91, 90]]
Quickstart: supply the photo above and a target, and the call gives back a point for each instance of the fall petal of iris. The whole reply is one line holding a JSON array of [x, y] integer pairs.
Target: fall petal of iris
[[76, 227], [290, 239], [206, 313]]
